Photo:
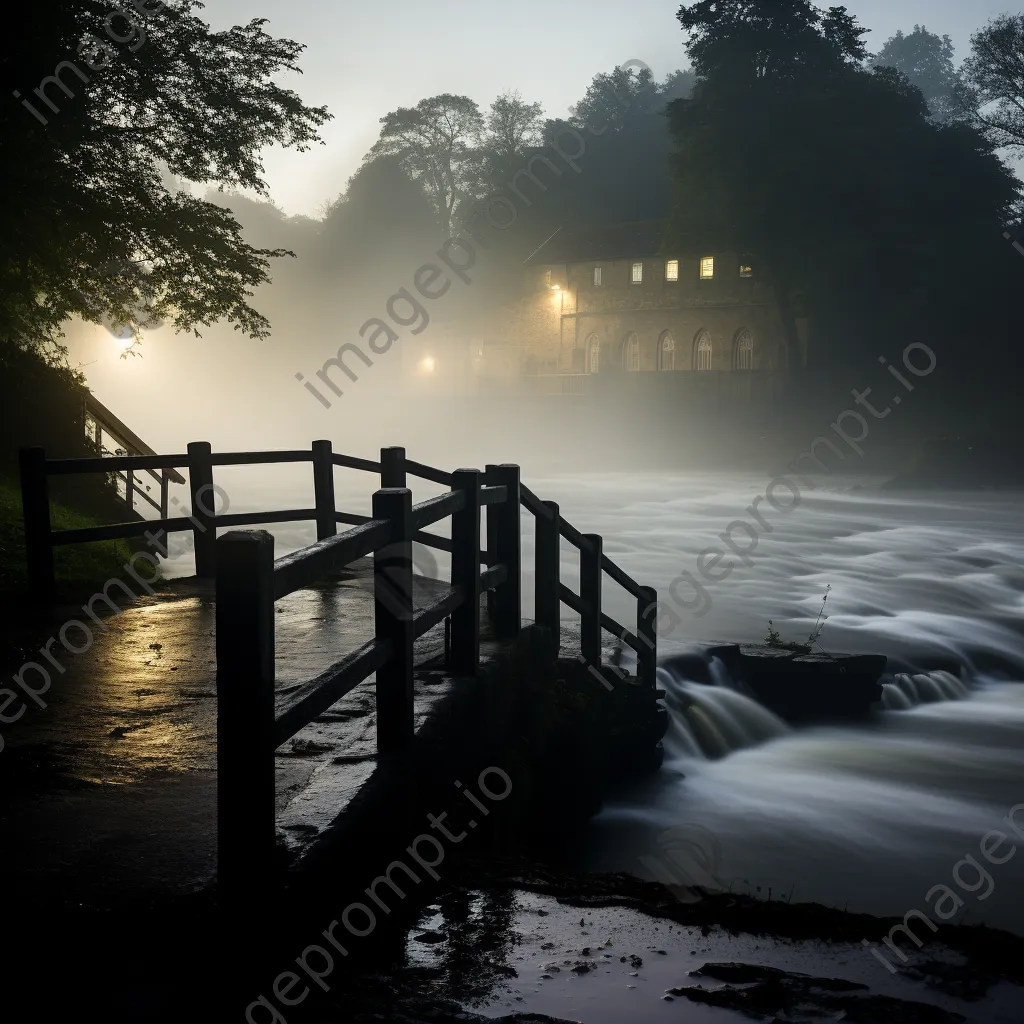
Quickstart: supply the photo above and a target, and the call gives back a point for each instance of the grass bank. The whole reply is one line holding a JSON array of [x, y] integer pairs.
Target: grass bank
[[79, 567], [81, 570]]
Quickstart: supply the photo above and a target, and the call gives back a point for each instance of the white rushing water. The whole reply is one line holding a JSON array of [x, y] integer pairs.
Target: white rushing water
[[870, 816]]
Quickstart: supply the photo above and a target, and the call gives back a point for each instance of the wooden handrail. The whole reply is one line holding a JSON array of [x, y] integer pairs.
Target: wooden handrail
[[432, 540], [573, 536], [623, 579], [106, 420], [304, 567], [574, 601], [437, 476], [531, 502], [493, 495], [351, 519], [117, 531], [312, 699], [619, 631], [259, 458], [493, 577], [111, 464], [350, 462], [438, 610], [294, 515], [428, 512]]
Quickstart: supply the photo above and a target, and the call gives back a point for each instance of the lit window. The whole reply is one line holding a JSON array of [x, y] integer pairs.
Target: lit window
[[638, 273], [702, 351], [746, 270], [667, 353], [744, 350], [672, 270], [593, 354], [597, 277], [707, 268], [631, 354]]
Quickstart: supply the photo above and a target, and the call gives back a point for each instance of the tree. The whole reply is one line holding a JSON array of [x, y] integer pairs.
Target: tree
[[437, 142], [927, 61], [513, 125], [611, 97], [754, 39], [994, 79], [382, 217], [91, 226], [856, 206]]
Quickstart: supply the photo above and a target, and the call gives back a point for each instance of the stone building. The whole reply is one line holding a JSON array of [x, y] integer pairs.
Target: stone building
[[600, 303]]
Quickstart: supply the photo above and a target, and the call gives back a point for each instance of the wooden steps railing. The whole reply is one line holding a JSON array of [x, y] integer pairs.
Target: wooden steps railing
[[252, 722], [106, 424]]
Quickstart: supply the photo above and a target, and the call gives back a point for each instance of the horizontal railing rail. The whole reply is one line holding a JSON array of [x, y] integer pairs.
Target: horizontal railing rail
[[436, 476], [435, 509], [259, 458], [303, 568], [113, 463]]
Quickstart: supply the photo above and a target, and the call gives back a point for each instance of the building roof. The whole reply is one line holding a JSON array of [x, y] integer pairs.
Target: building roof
[[600, 242]]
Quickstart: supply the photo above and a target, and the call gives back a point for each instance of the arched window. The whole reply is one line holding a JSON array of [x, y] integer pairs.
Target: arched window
[[744, 350], [593, 354], [702, 351], [631, 354], [667, 352]]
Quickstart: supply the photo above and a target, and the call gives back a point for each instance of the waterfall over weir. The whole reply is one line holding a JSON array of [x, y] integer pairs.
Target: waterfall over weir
[[869, 815], [711, 721], [905, 691]]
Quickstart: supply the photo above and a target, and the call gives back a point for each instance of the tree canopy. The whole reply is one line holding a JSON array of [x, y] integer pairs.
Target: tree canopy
[[769, 38], [926, 60], [92, 225], [994, 80], [437, 142], [859, 207]]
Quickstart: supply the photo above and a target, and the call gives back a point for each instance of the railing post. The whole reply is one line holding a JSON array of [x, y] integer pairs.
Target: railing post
[[246, 834], [647, 634], [547, 603], [394, 612], [35, 506], [590, 593], [466, 573], [161, 537], [323, 489], [164, 488], [504, 544], [200, 482], [392, 467], [129, 490]]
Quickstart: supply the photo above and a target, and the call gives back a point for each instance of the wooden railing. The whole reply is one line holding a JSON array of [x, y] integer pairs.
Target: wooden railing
[[106, 425], [252, 723]]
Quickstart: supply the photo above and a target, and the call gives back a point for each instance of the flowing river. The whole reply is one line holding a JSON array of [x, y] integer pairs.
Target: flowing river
[[871, 817]]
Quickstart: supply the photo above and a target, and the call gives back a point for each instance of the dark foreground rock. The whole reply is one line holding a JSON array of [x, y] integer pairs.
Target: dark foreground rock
[[766, 993]]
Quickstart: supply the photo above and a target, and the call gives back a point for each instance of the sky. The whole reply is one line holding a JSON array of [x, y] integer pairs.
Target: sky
[[364, 59]]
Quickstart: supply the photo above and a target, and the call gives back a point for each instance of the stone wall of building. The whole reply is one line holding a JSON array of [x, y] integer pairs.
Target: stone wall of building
[[561, 312]]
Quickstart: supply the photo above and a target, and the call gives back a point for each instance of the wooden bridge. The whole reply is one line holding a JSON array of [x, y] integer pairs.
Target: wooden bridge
[[252, 721]]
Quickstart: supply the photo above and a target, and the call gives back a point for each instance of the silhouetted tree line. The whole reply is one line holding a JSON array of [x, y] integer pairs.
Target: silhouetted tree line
[[872, 189], [869, 188]]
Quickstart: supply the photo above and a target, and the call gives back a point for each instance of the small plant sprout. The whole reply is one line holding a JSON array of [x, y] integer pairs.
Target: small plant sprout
[[819, 622], [774, 637]]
